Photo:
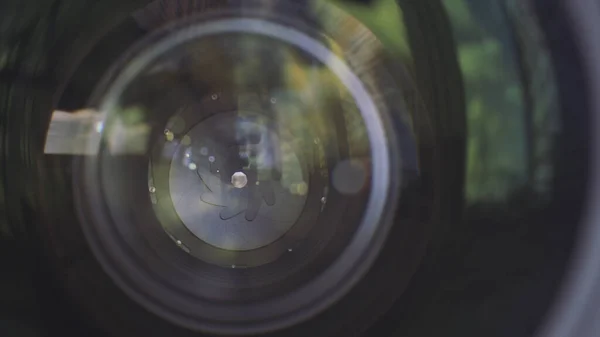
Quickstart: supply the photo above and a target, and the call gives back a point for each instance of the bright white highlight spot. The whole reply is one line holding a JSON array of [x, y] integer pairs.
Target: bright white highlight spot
[[239, 180]]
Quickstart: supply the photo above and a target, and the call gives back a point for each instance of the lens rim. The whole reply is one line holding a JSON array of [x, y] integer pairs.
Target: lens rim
[[327, 287], [572, 28]]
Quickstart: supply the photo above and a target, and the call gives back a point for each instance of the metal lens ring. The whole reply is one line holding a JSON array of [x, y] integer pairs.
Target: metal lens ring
[[305, 153]]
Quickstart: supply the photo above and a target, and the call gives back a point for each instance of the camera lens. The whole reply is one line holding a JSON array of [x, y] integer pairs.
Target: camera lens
[[242, 177], [292, 168]]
